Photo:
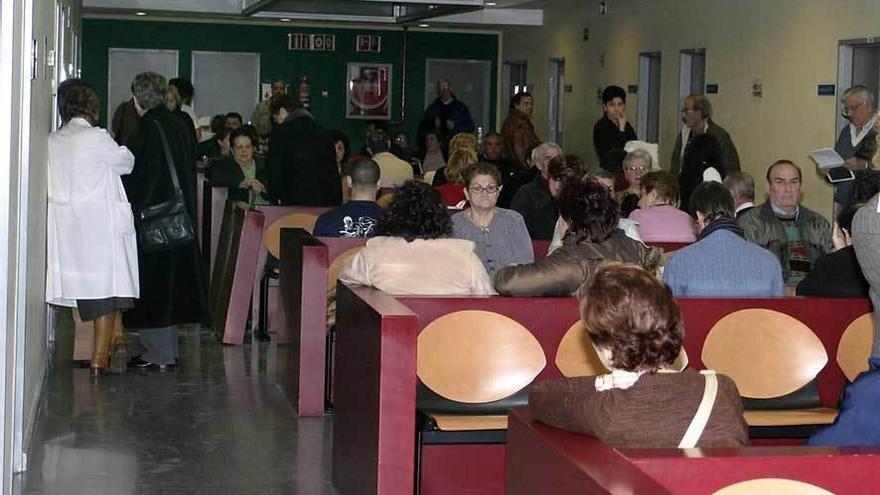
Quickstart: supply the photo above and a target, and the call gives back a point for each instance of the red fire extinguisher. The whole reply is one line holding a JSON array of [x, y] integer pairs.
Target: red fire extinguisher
[[304, 90]]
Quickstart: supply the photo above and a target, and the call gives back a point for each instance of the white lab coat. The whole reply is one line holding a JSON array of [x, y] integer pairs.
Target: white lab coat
[[92, 251]]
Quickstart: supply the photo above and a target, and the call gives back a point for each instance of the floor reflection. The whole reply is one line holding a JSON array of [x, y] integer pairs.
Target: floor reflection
[[218, 424]]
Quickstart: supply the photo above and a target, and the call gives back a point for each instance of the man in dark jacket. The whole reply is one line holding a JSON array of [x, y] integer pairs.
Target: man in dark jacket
[[533, 200], [447, 115], [612, 131], [696, 115], [173, 286], [302, 158]]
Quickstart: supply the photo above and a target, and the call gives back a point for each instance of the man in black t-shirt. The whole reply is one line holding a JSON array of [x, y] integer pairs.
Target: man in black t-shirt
[[358, 217]]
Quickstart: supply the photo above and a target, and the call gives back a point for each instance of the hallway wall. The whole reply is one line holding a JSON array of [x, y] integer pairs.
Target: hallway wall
[[29, 31], [790, 46]]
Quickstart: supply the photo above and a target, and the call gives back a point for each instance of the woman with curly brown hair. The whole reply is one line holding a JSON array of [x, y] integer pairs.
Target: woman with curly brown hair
[[645, 401], [592, 238], [414, 254]]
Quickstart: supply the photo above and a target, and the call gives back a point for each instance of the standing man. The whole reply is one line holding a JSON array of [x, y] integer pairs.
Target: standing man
[[517, 132], [394, 170], [856, 145], [447, 115], [612, 131], [173, 283], [262, 116], [302, 158], [696, 114], [796, 235]]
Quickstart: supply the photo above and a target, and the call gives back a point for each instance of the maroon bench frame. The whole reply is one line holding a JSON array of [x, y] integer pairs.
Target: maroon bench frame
[[375, 378], [543, 459]]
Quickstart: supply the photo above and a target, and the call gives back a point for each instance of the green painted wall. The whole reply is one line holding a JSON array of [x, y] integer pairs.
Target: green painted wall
[[326, 70]]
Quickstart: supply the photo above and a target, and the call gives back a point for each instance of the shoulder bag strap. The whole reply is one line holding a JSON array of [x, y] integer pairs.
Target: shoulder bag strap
[[698, 424], [171, 169]]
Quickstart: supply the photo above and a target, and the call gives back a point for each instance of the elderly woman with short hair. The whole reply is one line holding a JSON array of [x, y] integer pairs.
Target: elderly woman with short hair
[[172, 281], [633, 322], [636, 164], [592, 239]]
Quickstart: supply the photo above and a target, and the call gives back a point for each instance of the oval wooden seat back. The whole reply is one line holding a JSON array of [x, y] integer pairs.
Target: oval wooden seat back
[[384, 200], [576, 356], [477, 356], [272, 236], [772, 486], [855, 346], [767, 353], [337, 264]]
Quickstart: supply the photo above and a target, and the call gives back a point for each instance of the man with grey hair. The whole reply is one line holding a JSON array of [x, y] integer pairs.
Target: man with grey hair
[[742, 187], [533, 200], [696, 115], [856, 145], [173, 288]]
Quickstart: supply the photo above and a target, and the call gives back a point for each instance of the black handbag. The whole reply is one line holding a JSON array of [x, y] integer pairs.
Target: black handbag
[[166, 225]]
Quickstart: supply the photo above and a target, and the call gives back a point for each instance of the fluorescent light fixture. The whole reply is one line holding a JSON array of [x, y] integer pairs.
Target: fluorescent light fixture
[[285, 19], [491, 4], [424, 25], [140, 13]]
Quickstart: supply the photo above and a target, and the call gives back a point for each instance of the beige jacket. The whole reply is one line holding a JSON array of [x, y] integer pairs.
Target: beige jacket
[[425, 267], [393, 171]]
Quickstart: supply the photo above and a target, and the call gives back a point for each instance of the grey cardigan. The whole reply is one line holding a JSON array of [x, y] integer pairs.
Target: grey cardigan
[[505, 242]]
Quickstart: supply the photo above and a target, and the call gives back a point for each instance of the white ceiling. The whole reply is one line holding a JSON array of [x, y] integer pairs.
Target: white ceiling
[[399, 12]]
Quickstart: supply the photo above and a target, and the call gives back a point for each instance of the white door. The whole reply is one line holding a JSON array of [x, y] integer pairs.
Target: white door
[[225, 82]]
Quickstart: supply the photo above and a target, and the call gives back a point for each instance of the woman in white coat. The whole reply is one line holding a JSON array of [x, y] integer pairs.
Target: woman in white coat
[[92, 252]]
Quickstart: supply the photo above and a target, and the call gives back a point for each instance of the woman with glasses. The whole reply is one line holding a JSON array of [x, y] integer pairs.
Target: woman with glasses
[[636, 163], [500, 234]]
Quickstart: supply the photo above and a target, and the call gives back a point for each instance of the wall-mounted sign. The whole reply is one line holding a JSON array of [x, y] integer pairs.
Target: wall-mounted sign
[[826, 90], [368, 88], [369, 43], [632, 89], [311, 42], [711, 89]]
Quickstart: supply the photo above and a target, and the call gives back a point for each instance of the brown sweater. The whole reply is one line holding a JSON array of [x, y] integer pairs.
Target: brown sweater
[[653, 413]]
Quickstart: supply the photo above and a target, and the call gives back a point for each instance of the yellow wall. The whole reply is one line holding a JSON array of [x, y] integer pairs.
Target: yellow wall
[[790, 45]]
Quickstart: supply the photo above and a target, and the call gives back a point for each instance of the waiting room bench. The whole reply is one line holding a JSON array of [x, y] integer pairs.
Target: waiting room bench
[[375, 384], [543, 459]]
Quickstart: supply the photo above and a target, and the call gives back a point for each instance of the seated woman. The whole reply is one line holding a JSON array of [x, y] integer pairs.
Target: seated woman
[[413, 253], [636, 164], [837, 274], [636, 329], [452, 186], [592, 239], [432, 153], [500, 234], [461, 142], [242, 172], [658, 215], [341, 146]]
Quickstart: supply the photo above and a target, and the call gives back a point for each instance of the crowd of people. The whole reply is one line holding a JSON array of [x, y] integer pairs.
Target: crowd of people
[[463, 211]]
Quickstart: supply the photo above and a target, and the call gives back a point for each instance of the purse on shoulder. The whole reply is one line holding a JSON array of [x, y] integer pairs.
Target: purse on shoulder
[[165, 225]]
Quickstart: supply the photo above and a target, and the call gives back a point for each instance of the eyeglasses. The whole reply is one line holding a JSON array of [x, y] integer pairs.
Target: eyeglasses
[[636, 169], [848, 111], [484, 190]]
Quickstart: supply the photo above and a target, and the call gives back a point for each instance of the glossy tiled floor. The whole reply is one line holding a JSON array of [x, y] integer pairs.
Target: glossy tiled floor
[[217, 425]]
